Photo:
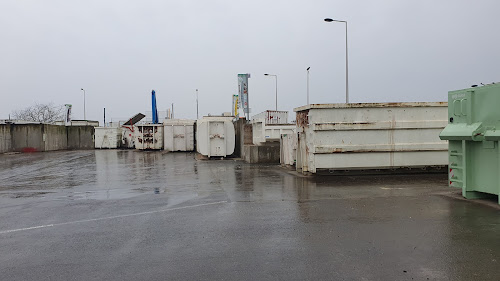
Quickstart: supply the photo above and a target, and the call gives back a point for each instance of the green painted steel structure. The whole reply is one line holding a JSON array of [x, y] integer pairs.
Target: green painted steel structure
[[473, 132]]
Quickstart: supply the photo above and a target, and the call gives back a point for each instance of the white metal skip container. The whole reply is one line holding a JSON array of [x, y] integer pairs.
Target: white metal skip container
[[215, 136], [364, 136], [107, 137], [273, 117], [149, 136], [128, 136], [263, 132], [178, 135]]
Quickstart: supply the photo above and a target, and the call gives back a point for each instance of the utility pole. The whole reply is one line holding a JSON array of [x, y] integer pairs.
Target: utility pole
[[276, 77], [308, 84], [346, 59], [84, 115]]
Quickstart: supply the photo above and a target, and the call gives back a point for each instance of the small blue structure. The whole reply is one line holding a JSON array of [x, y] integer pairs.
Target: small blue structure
[[154, 110]]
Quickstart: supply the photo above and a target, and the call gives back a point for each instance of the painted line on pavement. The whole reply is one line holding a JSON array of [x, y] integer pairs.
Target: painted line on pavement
[[108, 218]]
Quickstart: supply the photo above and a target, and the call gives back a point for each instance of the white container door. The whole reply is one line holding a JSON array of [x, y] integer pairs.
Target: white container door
[[189, 137], [168, 138], [179, 142], [216, 135]]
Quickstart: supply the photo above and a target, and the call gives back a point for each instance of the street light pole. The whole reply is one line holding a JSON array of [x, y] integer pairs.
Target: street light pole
[[84, 115], [346, 60], [275, 76], [197, 117], [308, 84]]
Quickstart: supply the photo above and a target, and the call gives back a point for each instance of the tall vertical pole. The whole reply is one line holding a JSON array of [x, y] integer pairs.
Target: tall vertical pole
[[104, 117], [84, 114], [346, 59], [197, 116], [276, 76], [346, 68], [172, 111], [308, 85]]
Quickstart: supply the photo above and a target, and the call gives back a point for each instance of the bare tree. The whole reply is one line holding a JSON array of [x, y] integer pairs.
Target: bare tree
[[44, 113]]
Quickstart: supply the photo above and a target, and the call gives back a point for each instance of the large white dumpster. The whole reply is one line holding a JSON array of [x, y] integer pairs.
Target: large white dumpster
[[215, 136], [178, 135], [148, 136], [263, 132], [128, 136], [107, 137], [371, 136], [273, 117]]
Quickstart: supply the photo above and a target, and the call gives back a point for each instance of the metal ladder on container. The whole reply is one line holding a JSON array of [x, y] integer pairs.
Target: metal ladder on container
[[457, 169]]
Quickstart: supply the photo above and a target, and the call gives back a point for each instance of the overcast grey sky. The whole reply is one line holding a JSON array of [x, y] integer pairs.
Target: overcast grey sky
[[412, 50]]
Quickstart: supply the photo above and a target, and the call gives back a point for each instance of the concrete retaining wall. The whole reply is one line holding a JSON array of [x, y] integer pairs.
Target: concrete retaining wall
[[243, 132], [80, 137], [55, 137], [5, 139], [44, 137], [238, 126], [262, 153], [27, 137]]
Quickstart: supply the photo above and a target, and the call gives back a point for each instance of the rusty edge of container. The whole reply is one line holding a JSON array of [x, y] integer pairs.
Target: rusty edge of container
[[370, 105]]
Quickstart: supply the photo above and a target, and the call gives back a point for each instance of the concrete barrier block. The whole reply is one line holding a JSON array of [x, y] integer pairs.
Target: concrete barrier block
[[262, 153], [5, 138], [55, 137]]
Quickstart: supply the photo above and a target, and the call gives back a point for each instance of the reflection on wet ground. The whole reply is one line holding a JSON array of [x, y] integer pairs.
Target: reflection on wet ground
[[112, 174], [271, 224]]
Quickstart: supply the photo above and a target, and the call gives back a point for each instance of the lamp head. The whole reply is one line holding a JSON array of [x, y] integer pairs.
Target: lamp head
[[328, 20]]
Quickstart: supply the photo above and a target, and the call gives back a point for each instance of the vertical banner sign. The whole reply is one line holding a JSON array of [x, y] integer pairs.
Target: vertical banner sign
[[243, 93], [235, 105], [67, 115]]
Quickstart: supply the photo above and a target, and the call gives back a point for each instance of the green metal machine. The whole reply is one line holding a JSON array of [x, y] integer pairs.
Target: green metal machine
[[473, 132]]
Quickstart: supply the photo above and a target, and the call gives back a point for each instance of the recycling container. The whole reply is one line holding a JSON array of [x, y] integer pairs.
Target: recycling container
[[473, 132], [263, 132], [178, 134], [149, 136], [107, 137], [371, 136], [215, 136]]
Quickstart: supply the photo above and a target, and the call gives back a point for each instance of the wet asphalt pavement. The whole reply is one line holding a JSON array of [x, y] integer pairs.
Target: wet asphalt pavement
[[129, 215]]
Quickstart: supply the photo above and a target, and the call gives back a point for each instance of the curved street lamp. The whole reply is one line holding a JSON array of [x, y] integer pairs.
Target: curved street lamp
[[346, 59], [84, 115], [275, 76], [308, 84]]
